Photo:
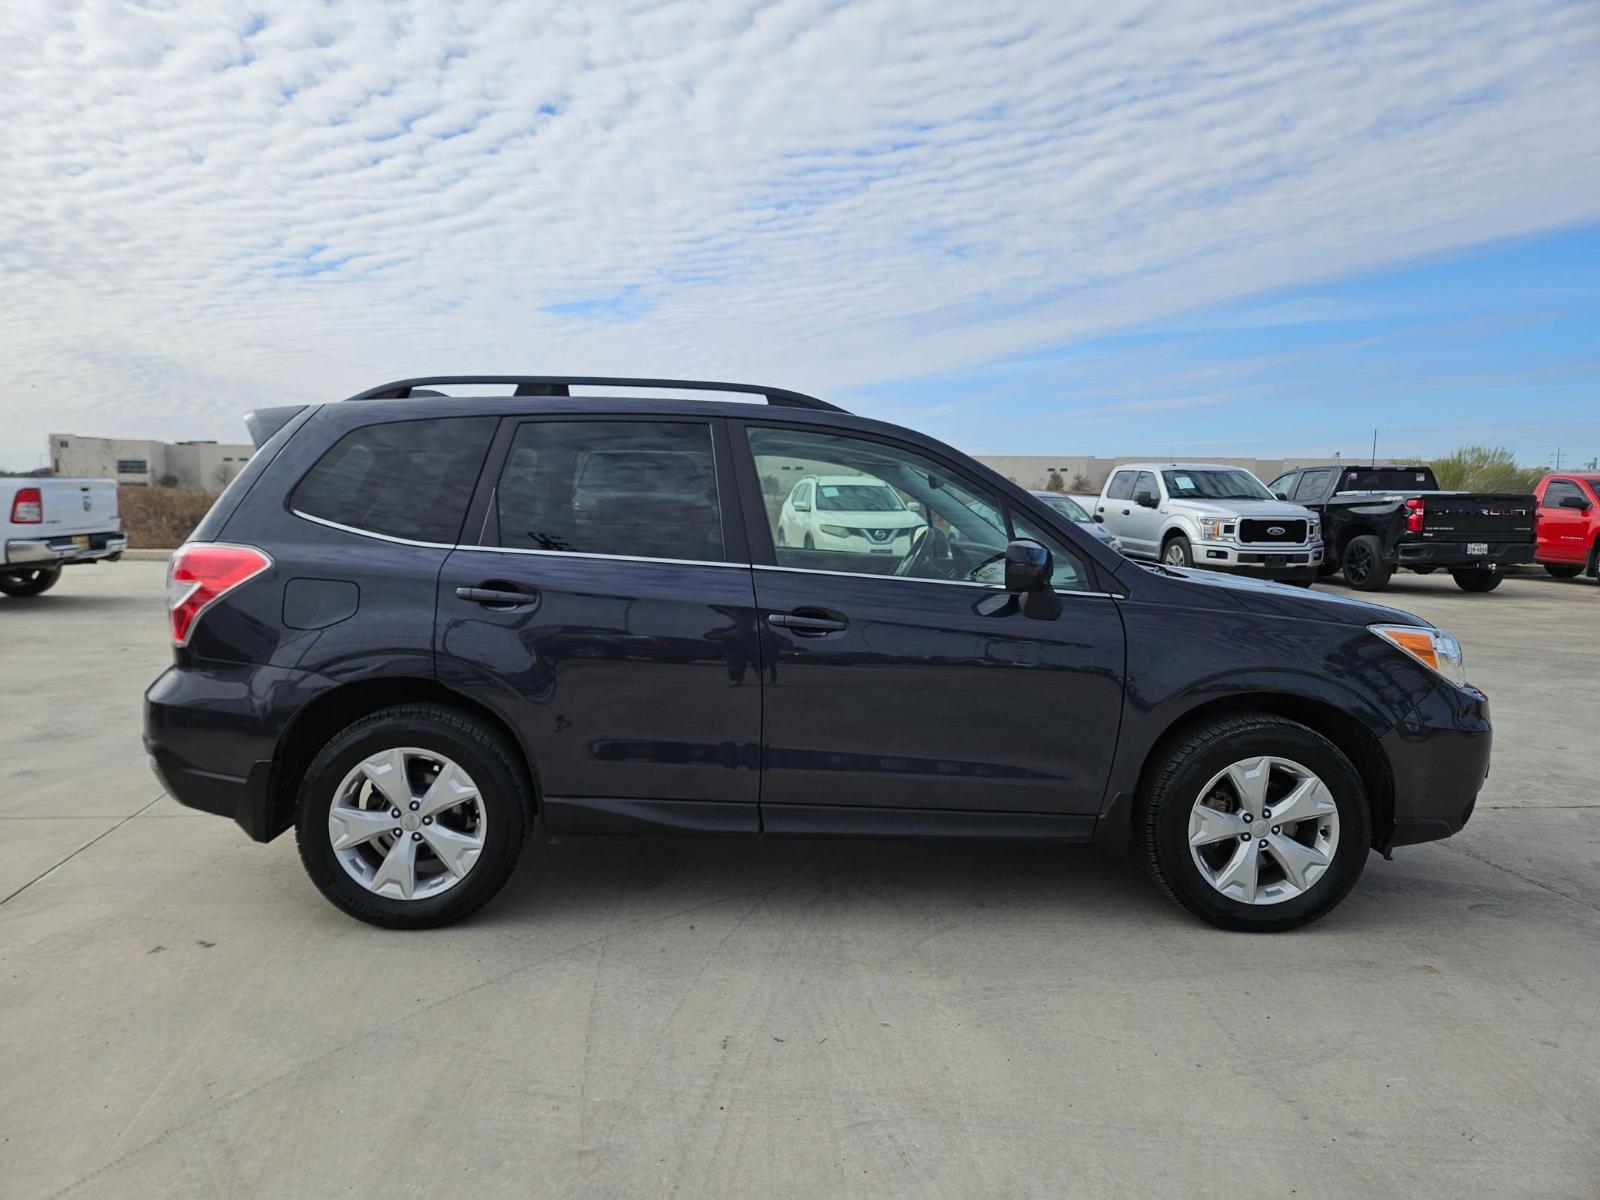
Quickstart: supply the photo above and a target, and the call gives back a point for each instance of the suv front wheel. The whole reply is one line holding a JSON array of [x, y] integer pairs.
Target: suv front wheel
[[1255, 822], [412, 817]]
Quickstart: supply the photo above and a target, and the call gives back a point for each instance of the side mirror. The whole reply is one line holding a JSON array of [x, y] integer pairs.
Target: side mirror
[[802, 508], [1145, 500], [1028, 571], [1281, 495], [1577, 502]]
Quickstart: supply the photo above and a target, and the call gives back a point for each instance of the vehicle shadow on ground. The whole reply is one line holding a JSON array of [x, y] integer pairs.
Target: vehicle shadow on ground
[[646, 879], [54, 601]]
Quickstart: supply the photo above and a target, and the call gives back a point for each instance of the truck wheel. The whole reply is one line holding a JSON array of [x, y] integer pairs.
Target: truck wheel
[[412, 817], [1476, 579], [29, 583], [1563, 570], [1254, 822], [1177, 552], [1364, 568]]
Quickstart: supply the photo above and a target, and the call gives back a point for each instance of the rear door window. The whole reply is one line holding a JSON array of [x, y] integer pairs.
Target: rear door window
[[636, 489], [410, 480], [1121, 486], [1313, 484]]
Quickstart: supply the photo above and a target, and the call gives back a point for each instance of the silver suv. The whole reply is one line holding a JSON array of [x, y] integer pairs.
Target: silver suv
[[1205, 515]]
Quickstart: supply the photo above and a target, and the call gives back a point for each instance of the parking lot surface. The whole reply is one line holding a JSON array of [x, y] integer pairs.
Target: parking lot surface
[[183, 1015]]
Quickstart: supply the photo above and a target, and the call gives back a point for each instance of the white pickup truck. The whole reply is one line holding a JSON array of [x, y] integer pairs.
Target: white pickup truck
[[46, 524]]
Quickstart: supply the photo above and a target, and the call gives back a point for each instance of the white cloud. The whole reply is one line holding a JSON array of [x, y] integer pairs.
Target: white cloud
[[209, 206]]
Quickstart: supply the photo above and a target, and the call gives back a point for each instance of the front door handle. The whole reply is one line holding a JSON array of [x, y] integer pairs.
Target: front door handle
[[493, 597], [808, 622]]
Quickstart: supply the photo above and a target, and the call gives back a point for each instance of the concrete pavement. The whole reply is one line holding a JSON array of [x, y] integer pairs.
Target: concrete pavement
[[183, 1015]]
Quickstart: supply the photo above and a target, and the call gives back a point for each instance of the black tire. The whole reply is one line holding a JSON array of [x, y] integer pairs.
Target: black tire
[[1329, 568], [1363, 565], [810, 542], [1301, 580], [479, 750], [1563, 570], [1423, 570], [30, 582], [1186, 766], [1477, 579], [1177, 552]]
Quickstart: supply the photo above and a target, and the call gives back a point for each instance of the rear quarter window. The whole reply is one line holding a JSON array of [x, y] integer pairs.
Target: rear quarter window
[[403, 479]]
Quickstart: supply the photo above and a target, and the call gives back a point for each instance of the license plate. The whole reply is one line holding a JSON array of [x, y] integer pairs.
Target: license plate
[[82, 543], [1477, 548]]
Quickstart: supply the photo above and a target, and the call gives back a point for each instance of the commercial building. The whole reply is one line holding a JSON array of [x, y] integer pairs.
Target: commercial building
[[194, 466], [1080, 474]]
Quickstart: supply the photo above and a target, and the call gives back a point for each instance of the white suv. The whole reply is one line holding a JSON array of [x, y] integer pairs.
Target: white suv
[[858, 513]]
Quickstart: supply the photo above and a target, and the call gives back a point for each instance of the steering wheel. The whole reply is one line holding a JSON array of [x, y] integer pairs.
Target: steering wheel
[[927, 544]]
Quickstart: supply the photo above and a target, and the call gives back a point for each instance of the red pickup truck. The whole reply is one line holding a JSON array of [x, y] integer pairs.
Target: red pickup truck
[[1568, 524]]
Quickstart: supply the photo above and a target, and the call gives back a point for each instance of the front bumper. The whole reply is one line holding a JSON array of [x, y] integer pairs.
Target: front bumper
[[1454, 554], [1266, 560], [57, 551], [1438, 758]]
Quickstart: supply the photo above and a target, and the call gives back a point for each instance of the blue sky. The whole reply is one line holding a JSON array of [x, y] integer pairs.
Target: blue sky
[[1498, 344], [1025, 225]]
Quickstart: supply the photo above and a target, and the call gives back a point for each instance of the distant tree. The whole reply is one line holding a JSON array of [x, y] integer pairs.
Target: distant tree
[[168, 481], [1476, 468], [1056, 484], [223, 475], [38, 473], [1082, 483]]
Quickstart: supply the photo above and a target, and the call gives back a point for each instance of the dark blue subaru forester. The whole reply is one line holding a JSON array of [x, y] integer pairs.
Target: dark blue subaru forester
[[417, 621]]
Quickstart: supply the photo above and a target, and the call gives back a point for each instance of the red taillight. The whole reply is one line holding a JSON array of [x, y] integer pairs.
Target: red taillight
[[27, 507], [1414, 515], [200, 574]]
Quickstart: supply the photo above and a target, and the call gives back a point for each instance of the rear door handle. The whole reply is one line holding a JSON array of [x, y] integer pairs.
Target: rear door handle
[[491, 597], [808, 622]]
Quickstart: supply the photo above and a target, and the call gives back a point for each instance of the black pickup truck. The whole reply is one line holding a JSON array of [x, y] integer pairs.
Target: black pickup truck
[[1376, 519]]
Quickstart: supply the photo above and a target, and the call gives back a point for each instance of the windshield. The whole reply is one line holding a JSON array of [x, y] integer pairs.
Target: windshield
[[857, 497], [1215, 485], [1067, 507]]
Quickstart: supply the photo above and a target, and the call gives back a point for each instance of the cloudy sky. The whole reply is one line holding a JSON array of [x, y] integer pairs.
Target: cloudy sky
[[1049, 227]]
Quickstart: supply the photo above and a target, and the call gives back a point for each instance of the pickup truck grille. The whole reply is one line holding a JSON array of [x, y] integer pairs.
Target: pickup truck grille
[[1291, 531]]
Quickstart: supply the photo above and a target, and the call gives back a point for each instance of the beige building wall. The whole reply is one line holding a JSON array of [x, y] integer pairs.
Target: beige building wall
[[197, 466], [1034, 470]]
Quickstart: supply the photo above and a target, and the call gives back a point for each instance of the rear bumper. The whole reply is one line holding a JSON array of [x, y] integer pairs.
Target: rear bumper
[[52, 551], [211, 733], [1454, 554], [1439, 758]]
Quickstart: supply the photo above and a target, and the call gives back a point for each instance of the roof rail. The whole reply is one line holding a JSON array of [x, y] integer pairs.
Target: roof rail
[[559, 385]]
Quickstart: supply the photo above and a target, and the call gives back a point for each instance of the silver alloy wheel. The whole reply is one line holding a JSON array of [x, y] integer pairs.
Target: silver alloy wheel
[[1264, 830], [407, 823], [1174, 556]]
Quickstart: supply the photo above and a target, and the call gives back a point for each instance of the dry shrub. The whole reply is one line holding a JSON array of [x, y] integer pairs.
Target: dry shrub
[[158, 518]]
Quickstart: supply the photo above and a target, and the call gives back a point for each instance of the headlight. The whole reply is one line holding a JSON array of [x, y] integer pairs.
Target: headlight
[[1433, 648], [1211, 528], [836, 530]]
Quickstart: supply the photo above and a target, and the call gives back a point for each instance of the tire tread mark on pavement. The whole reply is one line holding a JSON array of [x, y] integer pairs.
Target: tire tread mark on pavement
[[97, 837]]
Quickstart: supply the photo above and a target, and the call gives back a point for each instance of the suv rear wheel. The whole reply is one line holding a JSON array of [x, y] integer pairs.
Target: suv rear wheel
[[30, 582], [1564, 570], [412, 817], [1255, 823]]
